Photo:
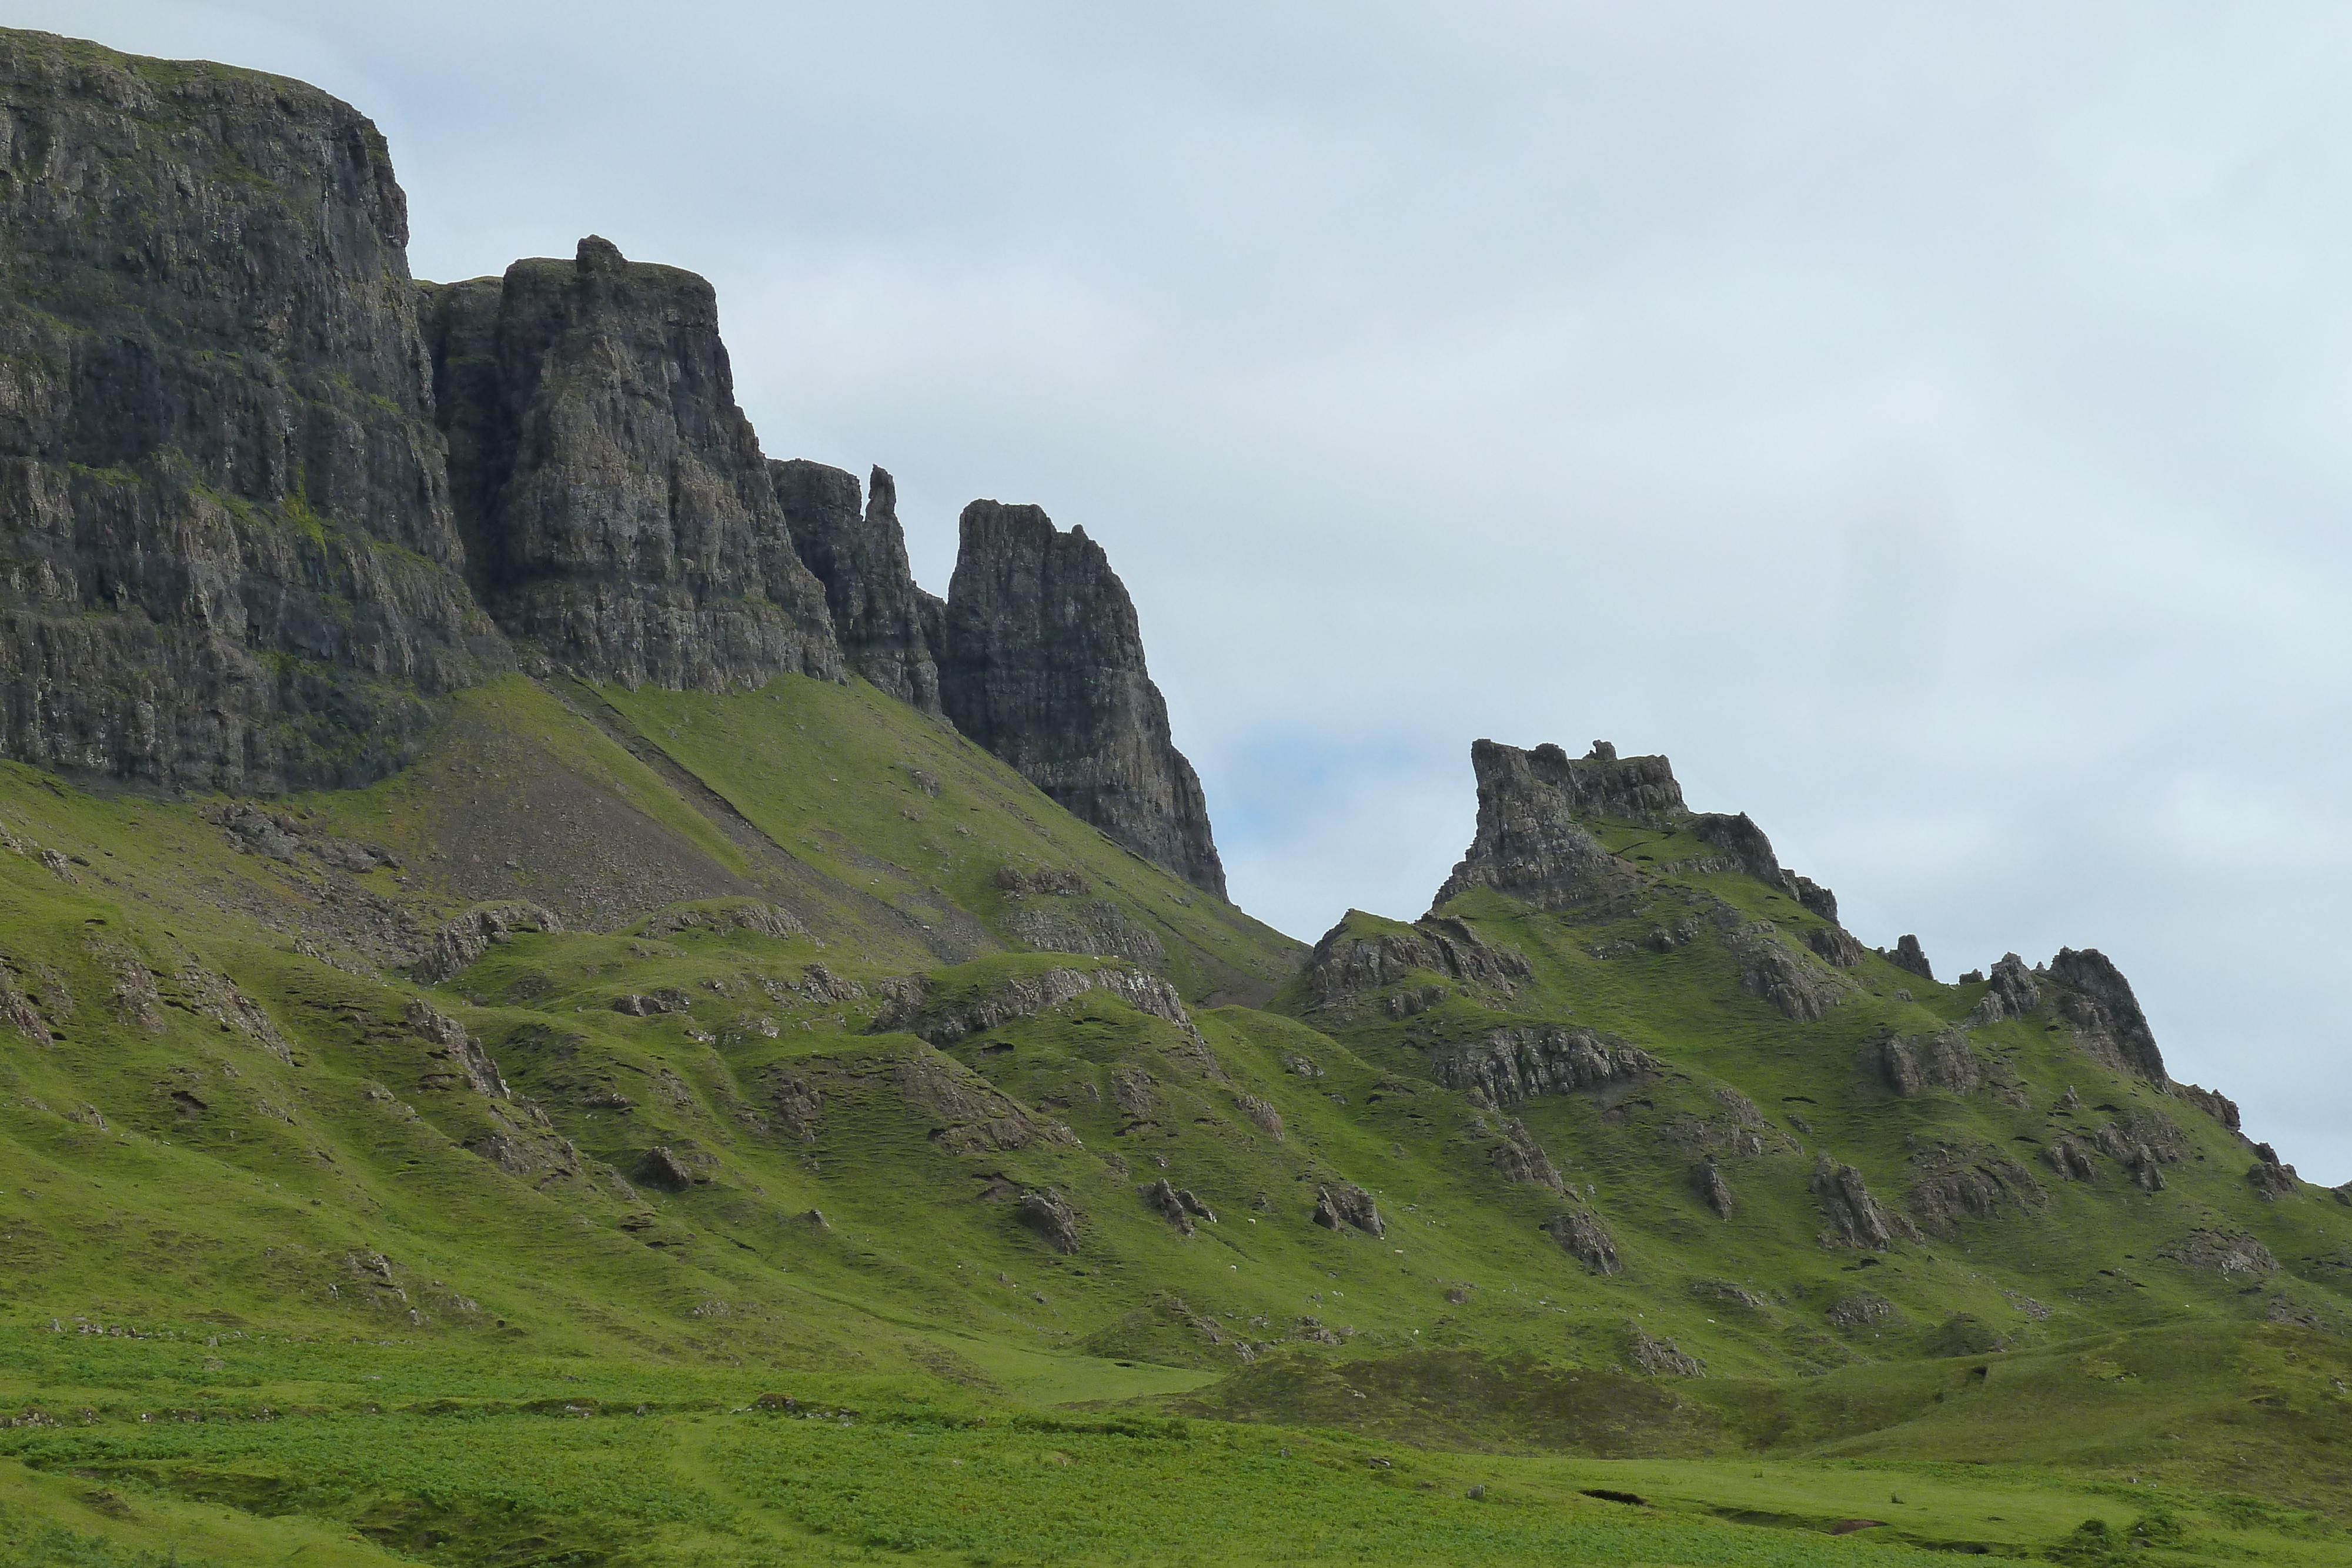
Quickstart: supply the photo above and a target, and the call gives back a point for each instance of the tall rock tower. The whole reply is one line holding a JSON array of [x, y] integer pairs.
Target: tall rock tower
[[1043, 665]]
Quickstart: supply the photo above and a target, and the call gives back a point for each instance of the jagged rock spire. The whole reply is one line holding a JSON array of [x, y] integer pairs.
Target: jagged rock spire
[[1043, 665]]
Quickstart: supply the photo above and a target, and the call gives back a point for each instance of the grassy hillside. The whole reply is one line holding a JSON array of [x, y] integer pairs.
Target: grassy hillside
[[450, 1168]]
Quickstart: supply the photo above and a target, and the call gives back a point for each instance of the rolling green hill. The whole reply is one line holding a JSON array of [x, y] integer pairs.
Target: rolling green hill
[[671, 1051]]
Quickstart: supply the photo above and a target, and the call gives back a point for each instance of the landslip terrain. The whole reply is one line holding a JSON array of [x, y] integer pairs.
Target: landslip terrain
[[557, 1007]]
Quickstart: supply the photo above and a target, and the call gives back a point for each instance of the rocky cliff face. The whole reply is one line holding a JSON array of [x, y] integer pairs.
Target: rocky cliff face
[[226, 550], [890, 631], [1530, 841], [1043, 665], [619, 512]]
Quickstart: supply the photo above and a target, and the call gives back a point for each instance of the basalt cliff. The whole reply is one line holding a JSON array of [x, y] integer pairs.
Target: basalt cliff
[[268, 501]]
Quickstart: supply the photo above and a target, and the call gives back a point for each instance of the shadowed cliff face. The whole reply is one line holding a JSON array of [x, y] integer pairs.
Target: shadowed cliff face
[[226, 552], [614, 495], [889, 630], [1044, 666]]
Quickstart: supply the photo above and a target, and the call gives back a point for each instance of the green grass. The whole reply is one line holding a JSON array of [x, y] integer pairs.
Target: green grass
[[211, 1199]]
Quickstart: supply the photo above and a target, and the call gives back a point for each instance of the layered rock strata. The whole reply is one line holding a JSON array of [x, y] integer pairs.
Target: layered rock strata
[[615, 505], [1043, 666], [227, 559], [889, 630]]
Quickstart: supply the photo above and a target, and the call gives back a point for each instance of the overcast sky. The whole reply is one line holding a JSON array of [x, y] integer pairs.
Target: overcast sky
[[1927, 423]]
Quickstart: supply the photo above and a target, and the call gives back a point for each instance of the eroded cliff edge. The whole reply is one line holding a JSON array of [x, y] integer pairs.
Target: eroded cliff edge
[[227, 557]]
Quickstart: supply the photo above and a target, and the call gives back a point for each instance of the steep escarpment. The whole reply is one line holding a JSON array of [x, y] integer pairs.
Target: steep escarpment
[[615, 499], [889, 630], [227, 559], [1044, 666]]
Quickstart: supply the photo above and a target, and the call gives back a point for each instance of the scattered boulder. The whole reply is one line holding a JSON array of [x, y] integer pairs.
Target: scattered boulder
[[1517, 1157], [1712, 1188], [1912, 1065], [1582, 1237], [1659, 1357], [2071, 1160], [1165, 1201], [663, 1169], [1341, 1205], [447, 1041], [1860, 1309], [1267, 1119], [2225, 1252], [459, 944], [2270, 1178], [1049, 1214], [1855, 1218]]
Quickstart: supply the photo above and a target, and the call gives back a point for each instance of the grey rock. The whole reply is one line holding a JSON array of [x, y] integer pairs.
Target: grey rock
[[1049, 1214], [616, 510], [1043, 665], [663, 1169], [1909, 955], [1660, 1358], [446, 1041], [2096, 999], [1344, 967], [1509, 1065], [459, 944], [2010, 993], [2225, 1252], [1340, 1205], [1860, 1309], [227, 559], [943, 1019], [1855, 1218], [1268, 1119], [2273, 1180], [2071, 1160], [1835, 945], [1712, 1187], [1912, 1065], [1517, 1157], [1529, 842], [884, 623], [2220, 1107], [1791, 981], [1819, 900], [1581, 1235], [965, 1114], [1969, 1181], [1163, 1200]]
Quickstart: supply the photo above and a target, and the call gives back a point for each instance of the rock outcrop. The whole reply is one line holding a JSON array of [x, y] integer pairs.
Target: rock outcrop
[[1530, 842], [2011, 992], [2095, 998], [1049, 1214], [1855, 1218], [1341, 1206], [1582, 1237], [1044, 666], [1909, 955], [889, 630], [1349, 964], [616, 510], [1508, 1065], [227, 559], [1914, 1064]]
